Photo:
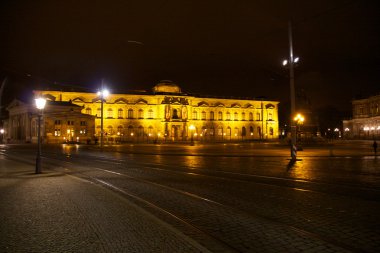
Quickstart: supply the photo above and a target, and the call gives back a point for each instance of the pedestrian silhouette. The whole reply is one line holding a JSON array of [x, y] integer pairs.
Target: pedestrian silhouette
[[374, 145]]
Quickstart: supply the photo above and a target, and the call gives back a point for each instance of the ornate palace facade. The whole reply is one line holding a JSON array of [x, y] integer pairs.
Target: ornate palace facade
[[166, 114], [365, 123]]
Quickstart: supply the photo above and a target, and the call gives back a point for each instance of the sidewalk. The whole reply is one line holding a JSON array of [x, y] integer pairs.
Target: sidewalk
[[54, 212]]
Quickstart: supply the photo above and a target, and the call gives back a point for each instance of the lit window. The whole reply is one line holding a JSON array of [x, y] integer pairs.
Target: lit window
[[211, 115], [195, 115], [109, 113], [243, 116], [203, 115], [236, 117], [130, 114], [220, 116], [270, 117], [120, 113], [88, 111], [141, 114], [150, 114], [228, 116]]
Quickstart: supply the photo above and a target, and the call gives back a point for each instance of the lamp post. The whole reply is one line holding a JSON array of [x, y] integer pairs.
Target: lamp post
[[40, 104], [192, 127], [291, 62], [103, 93]]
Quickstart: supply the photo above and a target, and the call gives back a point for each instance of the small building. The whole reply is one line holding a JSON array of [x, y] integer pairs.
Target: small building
[[365, 122], [62, 121]]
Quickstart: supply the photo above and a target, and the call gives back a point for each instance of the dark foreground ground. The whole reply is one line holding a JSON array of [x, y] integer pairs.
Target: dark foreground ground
[[182, 198]]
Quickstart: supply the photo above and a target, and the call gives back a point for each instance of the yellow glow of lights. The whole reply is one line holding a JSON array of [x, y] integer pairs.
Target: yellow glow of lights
[[299, 118]]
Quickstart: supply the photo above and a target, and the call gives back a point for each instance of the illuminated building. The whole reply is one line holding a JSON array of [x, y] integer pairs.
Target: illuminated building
[[365, 123], [166, 113]]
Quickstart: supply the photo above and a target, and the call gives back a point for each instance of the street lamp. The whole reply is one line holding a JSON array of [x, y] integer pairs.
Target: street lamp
[[192, 127], [40, 104], [291, 62], [103, 93]]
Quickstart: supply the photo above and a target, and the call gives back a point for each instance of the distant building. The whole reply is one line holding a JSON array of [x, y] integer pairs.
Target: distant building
[[62, 121], [365, 122], [166, 114]]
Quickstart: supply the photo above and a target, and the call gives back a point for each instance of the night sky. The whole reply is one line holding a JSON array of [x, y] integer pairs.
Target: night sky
[[232, 48]]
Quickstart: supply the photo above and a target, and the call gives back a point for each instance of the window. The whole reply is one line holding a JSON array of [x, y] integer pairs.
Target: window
[[243, 131], [83, 123], [120, 130], [203, 115], [271, 131], [220, 116], [250, 116], [99, 112], [243, 116], [141, 114], [211, 115], [109, 130], [270, 117], [236, 117], [251, 130], [70, 123], [195, 115], [110, 113], [120, 113], [130, 114], [57, 132], [88, 111], [150, 114], [228, 116], [258, 116], [57, 122], [175, 114]]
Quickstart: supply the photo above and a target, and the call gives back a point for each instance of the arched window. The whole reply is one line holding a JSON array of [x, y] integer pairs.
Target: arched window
[[130, 114], [130, 131], [220, 131], [211, 115], [99, 112], [228, 132], [236, 117], [110, 113], [175, 114], [88, 110], [228, 116], [251, 130], [220, 116], [258, 116], [236, 134], [141, 114], [203, 115], [243, 116], [150, 131], [120, 130], [150, 114], [259, 131], [140, 131], [243, 131], [120, 113], [250, 116], [195, 115], [109, 130], [271, 131]]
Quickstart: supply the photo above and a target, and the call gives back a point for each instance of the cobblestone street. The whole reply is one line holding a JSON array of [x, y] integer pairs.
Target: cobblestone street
[[175, 198]]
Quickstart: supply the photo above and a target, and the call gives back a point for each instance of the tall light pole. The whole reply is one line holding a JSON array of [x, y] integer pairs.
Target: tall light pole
[[40, 104], [103, 93], [291, 62]]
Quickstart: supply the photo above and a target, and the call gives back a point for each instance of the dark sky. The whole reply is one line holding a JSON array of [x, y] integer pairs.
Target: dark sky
[[209, 47]]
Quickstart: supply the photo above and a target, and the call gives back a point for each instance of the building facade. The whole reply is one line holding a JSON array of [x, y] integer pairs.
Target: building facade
[[62, 121], [365, 122], [167, 114]]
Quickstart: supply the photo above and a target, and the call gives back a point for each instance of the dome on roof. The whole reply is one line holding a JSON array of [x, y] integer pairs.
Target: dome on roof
[[166, 86]]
